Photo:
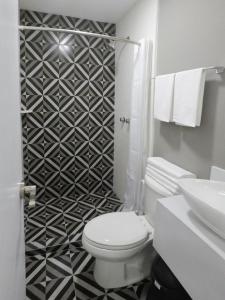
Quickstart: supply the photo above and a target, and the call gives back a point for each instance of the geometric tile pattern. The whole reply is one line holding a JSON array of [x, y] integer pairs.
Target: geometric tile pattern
[[57, 266], [68, 82]]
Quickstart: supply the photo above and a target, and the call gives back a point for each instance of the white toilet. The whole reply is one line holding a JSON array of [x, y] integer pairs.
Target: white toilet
[[121, 242]]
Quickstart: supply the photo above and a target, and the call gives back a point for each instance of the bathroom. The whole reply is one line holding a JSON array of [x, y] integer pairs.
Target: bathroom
[[108, 190]]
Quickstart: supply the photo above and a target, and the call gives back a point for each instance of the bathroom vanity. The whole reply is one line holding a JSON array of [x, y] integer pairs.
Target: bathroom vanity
[[194, 253]]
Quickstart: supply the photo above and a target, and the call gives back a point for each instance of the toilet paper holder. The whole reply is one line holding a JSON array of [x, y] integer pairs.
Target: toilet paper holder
[[28, 194]]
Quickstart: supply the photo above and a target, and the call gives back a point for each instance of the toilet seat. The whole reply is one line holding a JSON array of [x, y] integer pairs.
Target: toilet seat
[[117, 231]]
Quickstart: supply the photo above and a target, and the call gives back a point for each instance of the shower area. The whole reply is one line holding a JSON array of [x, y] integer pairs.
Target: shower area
[[68, 94], [68, 118]]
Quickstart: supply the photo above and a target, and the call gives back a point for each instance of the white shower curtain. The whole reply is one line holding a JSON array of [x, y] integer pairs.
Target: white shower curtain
[[138, 128]]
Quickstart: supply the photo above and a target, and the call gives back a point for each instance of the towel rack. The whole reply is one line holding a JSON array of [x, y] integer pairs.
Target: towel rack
[[218, 69]]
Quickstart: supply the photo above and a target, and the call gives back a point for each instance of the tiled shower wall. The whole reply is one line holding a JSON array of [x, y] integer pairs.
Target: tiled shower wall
[[67, 87]]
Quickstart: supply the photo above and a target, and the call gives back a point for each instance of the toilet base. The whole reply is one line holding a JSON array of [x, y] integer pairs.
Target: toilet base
[[111, 274]]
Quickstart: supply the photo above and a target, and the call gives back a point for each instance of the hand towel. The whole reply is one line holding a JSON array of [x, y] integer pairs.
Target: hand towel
[[188, 97], [163, 99], [169, 168]]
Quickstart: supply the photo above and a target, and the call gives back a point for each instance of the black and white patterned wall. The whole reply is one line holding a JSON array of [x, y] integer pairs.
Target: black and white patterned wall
[[67, 86]]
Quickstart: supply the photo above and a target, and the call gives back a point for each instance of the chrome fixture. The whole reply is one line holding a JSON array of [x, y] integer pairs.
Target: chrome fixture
[[28, 194], [97, 35], [122, 120], [218, 69], [23, 112]]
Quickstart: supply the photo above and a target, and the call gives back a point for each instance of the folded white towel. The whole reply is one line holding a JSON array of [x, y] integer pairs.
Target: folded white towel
[[163, 99], [188, 97], [169, 168], [174, 191], [157, 187], [162, 180], [172, 179]]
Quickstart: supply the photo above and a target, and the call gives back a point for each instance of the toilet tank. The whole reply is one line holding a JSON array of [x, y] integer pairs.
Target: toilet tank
[[161, 180], [150, 200]]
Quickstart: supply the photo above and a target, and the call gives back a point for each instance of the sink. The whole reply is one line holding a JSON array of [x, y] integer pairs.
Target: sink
[[207, 200]]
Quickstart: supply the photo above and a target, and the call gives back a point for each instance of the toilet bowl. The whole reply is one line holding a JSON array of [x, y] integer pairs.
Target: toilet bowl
[[120, 242]]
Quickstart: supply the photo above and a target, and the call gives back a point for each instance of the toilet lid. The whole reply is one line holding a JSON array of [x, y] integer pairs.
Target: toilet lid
[[120, 230]]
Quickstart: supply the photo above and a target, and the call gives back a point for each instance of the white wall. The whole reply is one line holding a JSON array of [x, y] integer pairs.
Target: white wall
[[139, 22], [191, 34], [12, 260]]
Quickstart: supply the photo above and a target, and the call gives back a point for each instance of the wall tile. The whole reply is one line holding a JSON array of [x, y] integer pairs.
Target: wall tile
[[68, 81]]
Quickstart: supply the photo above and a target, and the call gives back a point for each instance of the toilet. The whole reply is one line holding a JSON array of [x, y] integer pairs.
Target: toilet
[[121, 242]]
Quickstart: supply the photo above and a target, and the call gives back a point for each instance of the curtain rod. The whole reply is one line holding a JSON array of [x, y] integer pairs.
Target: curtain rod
[[97, 35]]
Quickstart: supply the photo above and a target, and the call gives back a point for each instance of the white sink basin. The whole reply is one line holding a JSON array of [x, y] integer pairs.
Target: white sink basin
[[207, 200]]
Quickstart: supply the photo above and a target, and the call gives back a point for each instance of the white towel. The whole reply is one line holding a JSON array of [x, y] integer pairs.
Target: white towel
[[164, 185], [157, 187], [162, 180], [188, 97], [169, 168], [172, 179], [163, 99]]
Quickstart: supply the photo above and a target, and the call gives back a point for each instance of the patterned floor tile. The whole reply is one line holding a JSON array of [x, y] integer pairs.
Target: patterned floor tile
[[37, 253], [52, 209], [55, 232], [79, 210], [59, 289], [91, 200], [74, 246], [54, 201], [38, 210], [69, 206], [53, 220], [94, 212], [40, 197], [111, 195], [69, 198], [36, 291], [71, 218], [74, 228], [35, 270], [36, 221], [57, 250], [120, 294], [35, 234], [34, 246], [58, 266], [86, 287], [81, 261], [109, 205], [35, 238], [54, 242]]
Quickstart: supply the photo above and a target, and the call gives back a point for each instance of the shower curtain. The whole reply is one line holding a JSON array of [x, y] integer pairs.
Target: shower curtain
[[138, 147]]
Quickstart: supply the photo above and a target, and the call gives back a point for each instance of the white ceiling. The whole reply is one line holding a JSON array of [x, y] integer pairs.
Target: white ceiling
[[98, 10]]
